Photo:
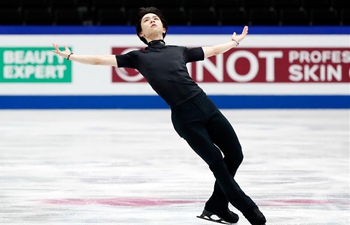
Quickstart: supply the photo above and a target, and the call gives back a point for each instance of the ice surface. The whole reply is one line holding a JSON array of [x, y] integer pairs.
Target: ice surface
[[130, 167]]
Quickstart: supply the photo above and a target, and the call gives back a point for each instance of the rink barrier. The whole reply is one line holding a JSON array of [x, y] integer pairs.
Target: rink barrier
[[250, 101], [155, 102]]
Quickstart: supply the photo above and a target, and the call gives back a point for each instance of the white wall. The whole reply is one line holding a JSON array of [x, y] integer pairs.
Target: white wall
[[279, 65]]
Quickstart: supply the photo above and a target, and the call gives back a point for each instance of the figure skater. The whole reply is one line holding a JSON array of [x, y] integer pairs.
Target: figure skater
[[194, 116]]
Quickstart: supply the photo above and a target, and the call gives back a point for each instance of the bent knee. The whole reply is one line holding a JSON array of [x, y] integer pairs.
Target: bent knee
[[239, 158], [233, 162], [217, 165]]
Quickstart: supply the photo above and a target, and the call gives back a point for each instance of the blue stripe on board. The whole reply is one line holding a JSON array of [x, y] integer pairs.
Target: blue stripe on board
[[155, 102], [71, 30]]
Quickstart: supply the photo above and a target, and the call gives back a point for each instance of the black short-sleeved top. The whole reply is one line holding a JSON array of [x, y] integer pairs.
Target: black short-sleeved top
[[164, 67]]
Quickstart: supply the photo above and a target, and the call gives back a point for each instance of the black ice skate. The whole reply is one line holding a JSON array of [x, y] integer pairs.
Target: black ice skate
[[254, 216], [224, 217]]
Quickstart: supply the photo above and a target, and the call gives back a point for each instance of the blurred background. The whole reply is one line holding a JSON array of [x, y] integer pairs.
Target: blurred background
[[178, 12], [295, 56]]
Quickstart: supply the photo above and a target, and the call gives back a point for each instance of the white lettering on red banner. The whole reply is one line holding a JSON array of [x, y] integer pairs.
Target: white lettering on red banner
[[261, 65]]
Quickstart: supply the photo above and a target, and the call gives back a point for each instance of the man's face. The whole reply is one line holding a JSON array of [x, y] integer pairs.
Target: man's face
[[151, 25]]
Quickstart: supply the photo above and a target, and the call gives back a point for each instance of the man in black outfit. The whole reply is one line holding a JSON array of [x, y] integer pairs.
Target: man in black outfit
[[194, 116]]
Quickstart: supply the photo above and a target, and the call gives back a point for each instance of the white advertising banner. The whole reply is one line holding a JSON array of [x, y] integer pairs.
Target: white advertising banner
[[262, 64]]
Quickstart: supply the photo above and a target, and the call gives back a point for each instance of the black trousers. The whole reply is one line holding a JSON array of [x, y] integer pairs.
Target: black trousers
[[211, 136]]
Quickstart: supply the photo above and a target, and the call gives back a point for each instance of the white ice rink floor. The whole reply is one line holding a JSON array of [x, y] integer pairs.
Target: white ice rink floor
[[130, 167]]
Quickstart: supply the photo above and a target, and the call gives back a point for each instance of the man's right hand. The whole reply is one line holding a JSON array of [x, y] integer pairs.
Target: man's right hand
[[64, 53]]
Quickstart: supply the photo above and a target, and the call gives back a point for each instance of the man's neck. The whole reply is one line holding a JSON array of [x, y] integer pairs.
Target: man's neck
[[158, 37], [156, 42]]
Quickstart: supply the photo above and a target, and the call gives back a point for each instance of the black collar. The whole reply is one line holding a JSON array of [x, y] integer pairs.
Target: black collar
[[156, 43]]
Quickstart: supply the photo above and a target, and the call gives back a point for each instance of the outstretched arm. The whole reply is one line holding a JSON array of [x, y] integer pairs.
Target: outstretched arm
[[221, 48], [106, 60]]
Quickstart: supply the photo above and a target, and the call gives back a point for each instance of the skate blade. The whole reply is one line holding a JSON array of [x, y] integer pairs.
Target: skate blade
[[208, 218]]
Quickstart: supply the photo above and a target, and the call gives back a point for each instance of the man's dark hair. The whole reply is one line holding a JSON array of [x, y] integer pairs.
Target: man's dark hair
[[144, 11]]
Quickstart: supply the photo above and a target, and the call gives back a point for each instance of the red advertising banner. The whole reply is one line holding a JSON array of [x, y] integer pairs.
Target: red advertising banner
[[261, 65]]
